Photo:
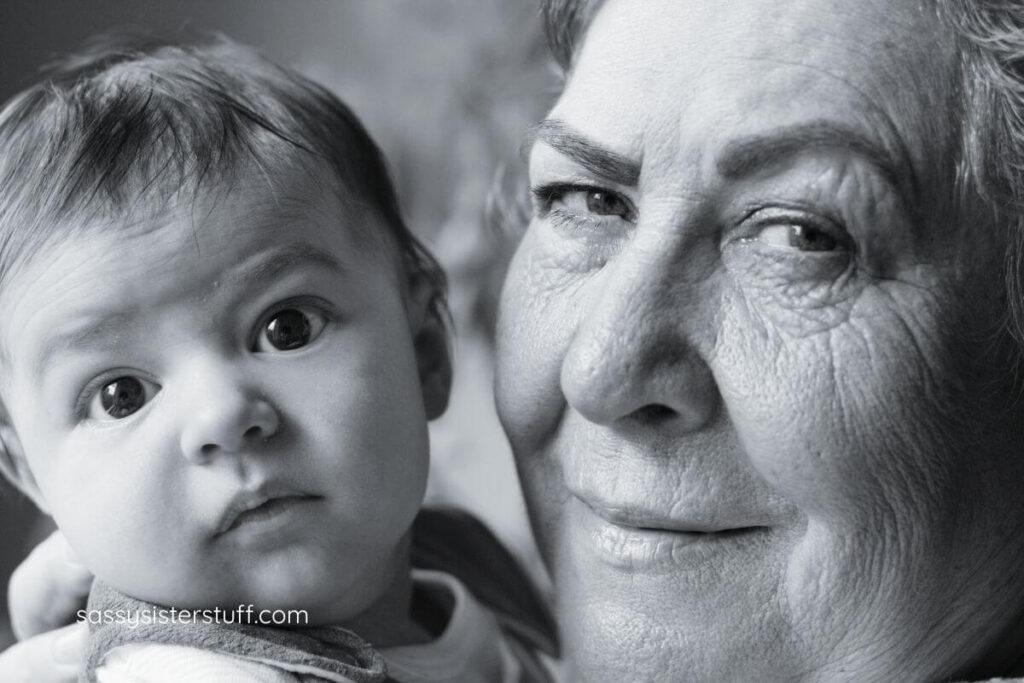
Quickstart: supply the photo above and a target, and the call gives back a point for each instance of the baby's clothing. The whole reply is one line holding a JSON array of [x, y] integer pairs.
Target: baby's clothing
[[471, 649], [497, 629]]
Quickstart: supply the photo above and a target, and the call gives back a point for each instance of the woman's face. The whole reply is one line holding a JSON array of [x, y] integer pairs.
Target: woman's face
[[748, 355]]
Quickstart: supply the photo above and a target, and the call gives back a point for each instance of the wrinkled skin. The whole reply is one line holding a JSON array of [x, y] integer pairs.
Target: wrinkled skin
[[757, 392]]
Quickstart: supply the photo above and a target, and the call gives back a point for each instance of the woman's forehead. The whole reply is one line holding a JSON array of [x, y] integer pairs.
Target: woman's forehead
[[655, 68], [795, 29]]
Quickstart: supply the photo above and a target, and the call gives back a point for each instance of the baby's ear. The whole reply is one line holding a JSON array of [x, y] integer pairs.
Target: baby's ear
[[12, 461], [431, 343]]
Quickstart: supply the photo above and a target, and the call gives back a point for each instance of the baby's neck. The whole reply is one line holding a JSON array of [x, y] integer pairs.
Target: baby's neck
[[401, 616], [388, 621]]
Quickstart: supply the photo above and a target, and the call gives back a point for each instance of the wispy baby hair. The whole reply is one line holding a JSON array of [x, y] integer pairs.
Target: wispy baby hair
[[132, 124]]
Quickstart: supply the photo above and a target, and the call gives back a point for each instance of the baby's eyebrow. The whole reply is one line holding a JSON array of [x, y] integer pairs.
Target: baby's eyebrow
[[271, 263], [99, 331], [93, 333]]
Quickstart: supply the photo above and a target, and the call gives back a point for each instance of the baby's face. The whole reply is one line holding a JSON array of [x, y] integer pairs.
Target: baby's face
[[224, 407]]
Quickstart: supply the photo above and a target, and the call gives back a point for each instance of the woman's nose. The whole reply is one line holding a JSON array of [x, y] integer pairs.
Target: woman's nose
[[635, 356], [227, 418]]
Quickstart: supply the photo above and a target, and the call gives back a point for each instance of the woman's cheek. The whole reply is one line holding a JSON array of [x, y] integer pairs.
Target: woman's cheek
[[538, 314], [828, 414], [783, 412]]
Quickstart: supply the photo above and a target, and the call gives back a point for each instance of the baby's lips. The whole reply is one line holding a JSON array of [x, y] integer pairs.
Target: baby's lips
[[246, 500]]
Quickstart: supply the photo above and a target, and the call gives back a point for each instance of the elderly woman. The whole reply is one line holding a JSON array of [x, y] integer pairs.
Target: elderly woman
[[754, 359], [756, 350]]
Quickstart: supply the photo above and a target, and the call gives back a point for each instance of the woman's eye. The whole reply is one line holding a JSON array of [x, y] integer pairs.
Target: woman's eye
[[583, 200], [289, 329], [121, 397], [796, 236], [604, 203]]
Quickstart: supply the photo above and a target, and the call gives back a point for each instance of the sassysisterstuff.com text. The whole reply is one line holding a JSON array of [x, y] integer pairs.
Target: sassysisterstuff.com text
[[243, 614]]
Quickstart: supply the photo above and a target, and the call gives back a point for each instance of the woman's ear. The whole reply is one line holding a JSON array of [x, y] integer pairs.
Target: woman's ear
[[431, 344], [13, 464]]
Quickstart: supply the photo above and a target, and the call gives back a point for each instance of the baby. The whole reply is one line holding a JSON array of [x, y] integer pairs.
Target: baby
[[220, 349]]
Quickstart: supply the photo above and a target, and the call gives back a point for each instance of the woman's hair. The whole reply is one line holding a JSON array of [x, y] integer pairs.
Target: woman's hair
[[990, 35], [129, 125], [565, 22], [991, 163]]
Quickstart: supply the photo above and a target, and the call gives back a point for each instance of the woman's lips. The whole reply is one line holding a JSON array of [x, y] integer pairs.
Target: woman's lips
[[696, 520], [636, 539]]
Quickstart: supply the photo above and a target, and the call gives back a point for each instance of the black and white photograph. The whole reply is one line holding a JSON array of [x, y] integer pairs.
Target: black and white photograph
[[512, 341]]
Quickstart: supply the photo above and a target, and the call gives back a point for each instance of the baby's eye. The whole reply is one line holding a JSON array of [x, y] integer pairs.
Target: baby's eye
[[121, 397], [289, 329]]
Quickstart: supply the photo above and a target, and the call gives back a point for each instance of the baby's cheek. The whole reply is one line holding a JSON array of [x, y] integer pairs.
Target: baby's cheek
[[121, 515]]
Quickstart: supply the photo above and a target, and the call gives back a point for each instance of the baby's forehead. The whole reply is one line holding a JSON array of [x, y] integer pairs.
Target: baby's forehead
[[106, 304], [238, 210], [265, 220]]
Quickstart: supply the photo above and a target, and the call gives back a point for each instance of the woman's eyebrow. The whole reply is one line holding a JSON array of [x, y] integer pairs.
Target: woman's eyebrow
[[746, 156], [610, 165]]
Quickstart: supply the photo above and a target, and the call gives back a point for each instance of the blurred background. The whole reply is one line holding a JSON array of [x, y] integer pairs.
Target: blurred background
[[447, 88]]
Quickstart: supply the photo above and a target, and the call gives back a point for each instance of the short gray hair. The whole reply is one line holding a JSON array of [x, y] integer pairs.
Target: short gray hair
[[990, 35]]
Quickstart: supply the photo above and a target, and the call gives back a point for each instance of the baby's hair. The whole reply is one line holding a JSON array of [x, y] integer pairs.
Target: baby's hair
[[130, 124]]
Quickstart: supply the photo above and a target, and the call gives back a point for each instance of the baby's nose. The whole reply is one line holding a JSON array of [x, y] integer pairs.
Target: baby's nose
[[227, 424]]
